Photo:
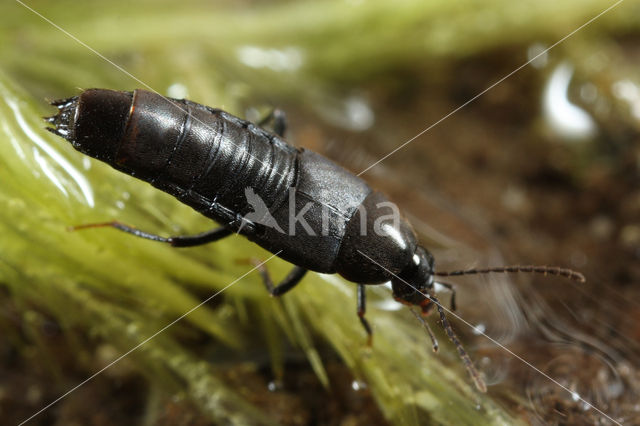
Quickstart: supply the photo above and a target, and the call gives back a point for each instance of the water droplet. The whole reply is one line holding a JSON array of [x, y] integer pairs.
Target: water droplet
[[479, 329], [628, 91], [357, 385], [589, 92], [178, 91], [566, 118], [538, 55], [286, 59]]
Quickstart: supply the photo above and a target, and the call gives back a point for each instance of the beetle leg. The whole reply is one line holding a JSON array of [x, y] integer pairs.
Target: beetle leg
[[177, 241], [452, 289], [289, 282], [279, 122], [425, 306], [279, 119], [426, 326], [362, 309]]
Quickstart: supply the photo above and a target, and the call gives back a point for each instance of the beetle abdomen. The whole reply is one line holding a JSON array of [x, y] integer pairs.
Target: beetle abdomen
[[208, 157], [203, 156]]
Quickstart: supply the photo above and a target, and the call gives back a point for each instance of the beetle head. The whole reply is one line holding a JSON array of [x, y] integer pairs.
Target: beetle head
[[415, 281]]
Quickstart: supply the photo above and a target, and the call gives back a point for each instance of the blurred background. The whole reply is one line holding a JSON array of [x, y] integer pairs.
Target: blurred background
[[542, 168]]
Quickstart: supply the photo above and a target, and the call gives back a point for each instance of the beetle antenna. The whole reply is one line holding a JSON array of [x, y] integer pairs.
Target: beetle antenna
[[532, 269], [427, 328], [480, 385]]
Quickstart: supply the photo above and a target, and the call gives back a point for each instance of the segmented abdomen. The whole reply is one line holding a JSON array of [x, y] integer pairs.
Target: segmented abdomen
[[204, 156]]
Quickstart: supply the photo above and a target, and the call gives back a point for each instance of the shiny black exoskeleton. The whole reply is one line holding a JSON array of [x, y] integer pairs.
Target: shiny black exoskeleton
[[207, 158], [293, 202]]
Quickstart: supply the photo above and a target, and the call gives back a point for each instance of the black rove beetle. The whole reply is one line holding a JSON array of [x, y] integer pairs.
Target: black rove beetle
[[208, 159]]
